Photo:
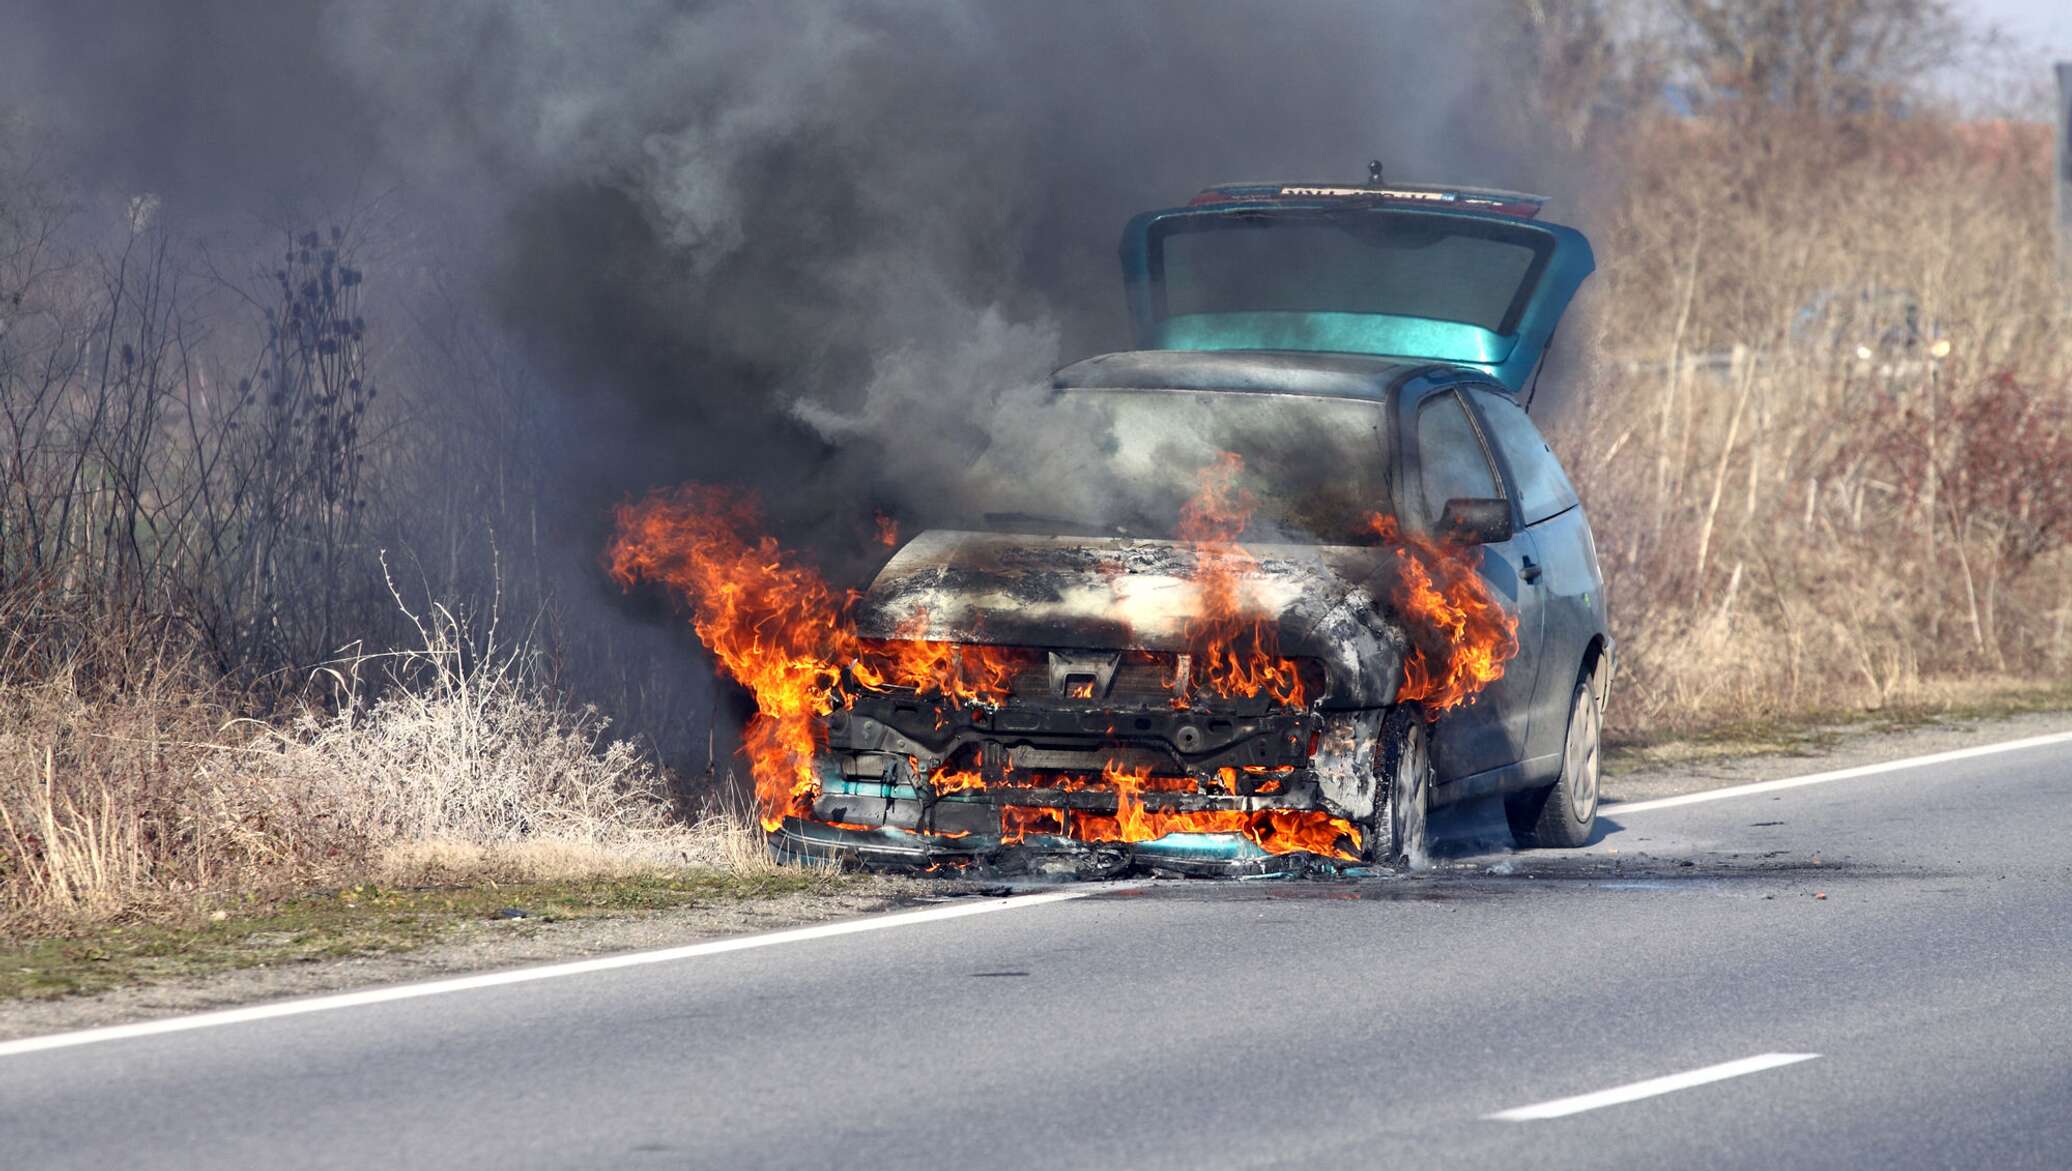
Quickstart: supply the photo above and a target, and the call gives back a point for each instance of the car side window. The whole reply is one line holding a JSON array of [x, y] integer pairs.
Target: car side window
[[1543, 488], [1450, 456]]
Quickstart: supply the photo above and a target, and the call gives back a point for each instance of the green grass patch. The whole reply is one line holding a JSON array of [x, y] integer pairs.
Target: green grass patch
[[365, 920]]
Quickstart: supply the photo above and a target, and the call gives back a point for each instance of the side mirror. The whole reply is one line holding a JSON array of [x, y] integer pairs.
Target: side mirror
[[1471, 521]]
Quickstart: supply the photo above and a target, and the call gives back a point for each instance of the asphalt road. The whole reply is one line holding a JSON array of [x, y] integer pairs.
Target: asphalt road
[[1373, 1023]]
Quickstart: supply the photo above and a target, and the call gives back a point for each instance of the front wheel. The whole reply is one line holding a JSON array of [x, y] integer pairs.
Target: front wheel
[[1564, 814], [1397, 830]]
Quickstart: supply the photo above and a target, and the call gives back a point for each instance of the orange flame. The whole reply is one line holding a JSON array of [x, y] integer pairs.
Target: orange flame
[[1277, 831], [774, 624], [957, 781], [1233, 644], [1017, 822], [777, 628], [964, 673], [1139, 818], [887, 529], [1442, 598]]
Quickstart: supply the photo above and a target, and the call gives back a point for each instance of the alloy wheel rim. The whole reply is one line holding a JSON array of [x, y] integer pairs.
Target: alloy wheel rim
[[1582, 758], [1410, 781]]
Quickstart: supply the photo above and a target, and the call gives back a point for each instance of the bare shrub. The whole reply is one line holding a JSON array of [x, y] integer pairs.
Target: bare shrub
[[103, 746], [1825, 441], [465, 743], [129, 784]]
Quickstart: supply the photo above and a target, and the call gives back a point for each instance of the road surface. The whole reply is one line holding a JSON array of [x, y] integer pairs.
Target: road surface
[[1689, 1001]]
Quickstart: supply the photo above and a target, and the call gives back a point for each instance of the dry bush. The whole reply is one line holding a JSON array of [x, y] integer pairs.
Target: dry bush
[[195, 477], [199, 459], [223, 431], [129, 784], [1789, 527], [104, 747], [466, 745]]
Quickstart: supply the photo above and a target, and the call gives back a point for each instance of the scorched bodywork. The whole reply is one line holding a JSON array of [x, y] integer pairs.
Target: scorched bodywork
[[1381, 593], [1104, 688]]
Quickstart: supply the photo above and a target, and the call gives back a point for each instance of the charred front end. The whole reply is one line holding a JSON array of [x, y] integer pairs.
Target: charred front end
[[1101, 725]]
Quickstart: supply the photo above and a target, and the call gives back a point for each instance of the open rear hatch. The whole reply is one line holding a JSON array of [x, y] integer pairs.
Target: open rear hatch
[[1444, 277]]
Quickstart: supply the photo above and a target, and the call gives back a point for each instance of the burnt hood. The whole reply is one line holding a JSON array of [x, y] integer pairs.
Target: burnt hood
[[1128, 593]]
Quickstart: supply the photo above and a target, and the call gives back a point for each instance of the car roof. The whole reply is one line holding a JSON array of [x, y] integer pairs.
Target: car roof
[[1256, 371]]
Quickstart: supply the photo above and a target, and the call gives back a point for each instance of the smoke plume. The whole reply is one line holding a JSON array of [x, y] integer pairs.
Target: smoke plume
[[812, 248]]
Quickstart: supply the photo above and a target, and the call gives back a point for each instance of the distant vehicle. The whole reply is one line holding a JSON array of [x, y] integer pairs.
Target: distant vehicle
[[1354, 350], [1878, 327]]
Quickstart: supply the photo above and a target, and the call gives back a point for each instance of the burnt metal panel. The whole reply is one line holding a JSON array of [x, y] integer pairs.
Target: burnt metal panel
[[1095, 594]]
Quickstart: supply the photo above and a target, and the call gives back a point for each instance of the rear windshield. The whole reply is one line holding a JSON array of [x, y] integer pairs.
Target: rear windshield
[[1124, 462], [1396, 264]]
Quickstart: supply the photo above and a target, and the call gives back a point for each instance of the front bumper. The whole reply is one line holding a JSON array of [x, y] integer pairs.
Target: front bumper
[[1129, 781], [891, 848]]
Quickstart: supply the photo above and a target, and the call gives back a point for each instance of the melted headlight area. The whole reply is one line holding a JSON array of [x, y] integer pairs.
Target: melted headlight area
[[1092, 763]]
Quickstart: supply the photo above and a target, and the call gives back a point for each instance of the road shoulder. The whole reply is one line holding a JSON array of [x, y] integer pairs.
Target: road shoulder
[[1676, 769], [511, 927], [526, 926]]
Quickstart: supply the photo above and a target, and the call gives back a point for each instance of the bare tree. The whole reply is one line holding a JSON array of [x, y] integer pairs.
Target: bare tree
[[1819, 57], [1589, 59]]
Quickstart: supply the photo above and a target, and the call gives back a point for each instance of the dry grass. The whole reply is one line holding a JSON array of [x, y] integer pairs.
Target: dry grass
[[130, 784], [724, 835], [288, 928], [1786, 527], [102, 751], [464, 743]]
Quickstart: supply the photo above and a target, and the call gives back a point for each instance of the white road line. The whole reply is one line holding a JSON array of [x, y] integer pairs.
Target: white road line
[[1620, 809], [261, 1012], [1562, 1107]]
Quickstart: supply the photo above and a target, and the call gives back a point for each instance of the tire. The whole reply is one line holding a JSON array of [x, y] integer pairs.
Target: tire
[[1396, 832], [1564, 814]]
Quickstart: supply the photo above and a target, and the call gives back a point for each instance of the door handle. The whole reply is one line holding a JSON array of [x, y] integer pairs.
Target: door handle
[[1529, 570]]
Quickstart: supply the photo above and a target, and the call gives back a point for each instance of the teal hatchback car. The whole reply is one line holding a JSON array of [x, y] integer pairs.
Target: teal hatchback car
[[1344, 352]]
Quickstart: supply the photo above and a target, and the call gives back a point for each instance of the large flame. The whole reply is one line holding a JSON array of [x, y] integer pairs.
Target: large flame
[[1277, 831], [773, 624], [1140, 817], [1460, 635], [1232, 643], [777, 628], [964, 673]]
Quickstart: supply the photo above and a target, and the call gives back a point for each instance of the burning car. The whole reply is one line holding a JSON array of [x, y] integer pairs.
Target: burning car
[[1254, 596]]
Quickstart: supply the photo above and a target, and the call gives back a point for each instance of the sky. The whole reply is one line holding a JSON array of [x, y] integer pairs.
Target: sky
[[2012, 77], [2045, 25]]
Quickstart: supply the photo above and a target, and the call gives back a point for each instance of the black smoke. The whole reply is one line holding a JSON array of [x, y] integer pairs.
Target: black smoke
[[808, 247], [698, 216]]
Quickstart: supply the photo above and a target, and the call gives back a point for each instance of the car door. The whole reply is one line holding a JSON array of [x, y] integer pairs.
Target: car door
[[1567, 589], [1451, 460]]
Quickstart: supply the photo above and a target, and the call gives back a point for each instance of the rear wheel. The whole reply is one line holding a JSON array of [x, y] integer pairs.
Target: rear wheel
[[1397, 830], [1564, 814]]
